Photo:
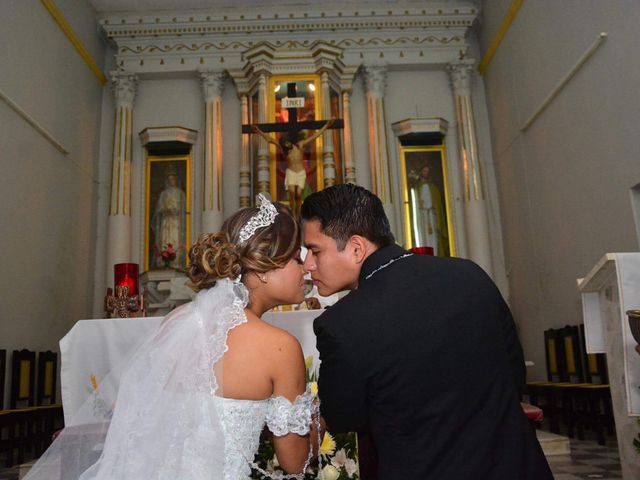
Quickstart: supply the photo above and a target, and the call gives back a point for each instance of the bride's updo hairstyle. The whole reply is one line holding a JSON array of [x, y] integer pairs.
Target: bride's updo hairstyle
[[220, 255]]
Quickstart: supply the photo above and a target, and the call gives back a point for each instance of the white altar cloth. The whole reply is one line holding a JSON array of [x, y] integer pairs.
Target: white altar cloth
[[93, 348]]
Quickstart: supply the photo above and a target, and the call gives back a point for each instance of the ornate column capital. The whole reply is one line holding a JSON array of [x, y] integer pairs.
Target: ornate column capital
[[212, 83], [461, 74], [124, 86], [375, 77]]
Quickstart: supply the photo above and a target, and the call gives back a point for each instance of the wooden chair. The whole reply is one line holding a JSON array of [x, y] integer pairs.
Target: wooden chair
[[47, 375], [593, 408], [3, 369], [4, 419], [566, 391], [23, 379], [544, 394], [46, 396], [21, 402]]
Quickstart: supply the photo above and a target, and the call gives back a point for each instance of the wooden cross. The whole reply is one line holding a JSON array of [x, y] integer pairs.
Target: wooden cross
[[292, 127]]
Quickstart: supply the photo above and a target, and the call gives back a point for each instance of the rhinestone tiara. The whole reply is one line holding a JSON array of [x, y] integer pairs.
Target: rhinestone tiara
[[266, 216]]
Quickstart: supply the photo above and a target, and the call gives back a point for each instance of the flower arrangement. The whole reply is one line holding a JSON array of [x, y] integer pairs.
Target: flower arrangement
[[167, 253], [338, 453]]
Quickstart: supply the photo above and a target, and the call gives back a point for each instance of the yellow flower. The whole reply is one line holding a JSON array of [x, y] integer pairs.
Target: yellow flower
[[314, 388], [328, 445], [330, 472], [308, 362], [94, 382]]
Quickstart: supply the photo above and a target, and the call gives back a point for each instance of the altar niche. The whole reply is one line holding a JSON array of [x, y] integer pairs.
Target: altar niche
[[167, 211], [298, 124], [427, 201]]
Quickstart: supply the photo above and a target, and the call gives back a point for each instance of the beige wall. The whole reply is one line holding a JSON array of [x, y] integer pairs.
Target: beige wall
[[564, 184], [48, 199]]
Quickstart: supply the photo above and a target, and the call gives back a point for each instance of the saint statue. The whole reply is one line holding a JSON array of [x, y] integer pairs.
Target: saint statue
[[295, 174], [169, 223], [432, 228]]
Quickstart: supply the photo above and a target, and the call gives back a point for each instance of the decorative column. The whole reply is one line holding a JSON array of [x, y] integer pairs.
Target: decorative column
[[475, 203], [119, 221], [212, 212], [328, 160], [263, 176], [245, 165], [349, 166], [375, 81]]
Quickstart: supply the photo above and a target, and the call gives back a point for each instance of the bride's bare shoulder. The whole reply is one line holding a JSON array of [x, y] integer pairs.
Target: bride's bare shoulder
[[268, 336]]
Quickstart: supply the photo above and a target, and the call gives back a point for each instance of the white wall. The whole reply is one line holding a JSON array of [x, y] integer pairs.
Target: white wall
[[49, 199], [564, 183]]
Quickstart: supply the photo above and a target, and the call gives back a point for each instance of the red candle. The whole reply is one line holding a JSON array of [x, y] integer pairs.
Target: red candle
[[422, 251], [126, 274]]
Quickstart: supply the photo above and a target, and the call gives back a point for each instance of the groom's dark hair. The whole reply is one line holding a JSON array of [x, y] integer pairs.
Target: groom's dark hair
[[346, 210]]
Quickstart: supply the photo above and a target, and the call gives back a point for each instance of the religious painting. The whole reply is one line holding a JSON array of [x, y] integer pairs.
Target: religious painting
[[167, 211], [427, 200]]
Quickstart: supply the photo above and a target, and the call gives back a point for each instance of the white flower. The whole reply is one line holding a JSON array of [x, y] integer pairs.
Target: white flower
[[351, 467], [340, 460], [275, 460], [329, 472]]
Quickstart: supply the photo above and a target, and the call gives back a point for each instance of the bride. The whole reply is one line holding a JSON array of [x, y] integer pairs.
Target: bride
[[194, 398]]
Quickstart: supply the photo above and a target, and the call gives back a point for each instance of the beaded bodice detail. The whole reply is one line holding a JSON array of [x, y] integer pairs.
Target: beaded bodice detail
[[243, 420]]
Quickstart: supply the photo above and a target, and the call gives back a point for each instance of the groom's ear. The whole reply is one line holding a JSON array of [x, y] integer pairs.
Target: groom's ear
[[359, 248]]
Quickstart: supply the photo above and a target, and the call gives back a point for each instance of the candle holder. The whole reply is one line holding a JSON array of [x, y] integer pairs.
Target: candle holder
[[422, 251], [126, 302], [123, 305]]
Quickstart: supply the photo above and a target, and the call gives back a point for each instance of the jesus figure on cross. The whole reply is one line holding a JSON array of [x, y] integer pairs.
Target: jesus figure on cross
[[295, 174]]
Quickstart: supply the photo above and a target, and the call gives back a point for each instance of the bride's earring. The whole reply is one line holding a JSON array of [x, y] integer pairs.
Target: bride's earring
[[263, 278]]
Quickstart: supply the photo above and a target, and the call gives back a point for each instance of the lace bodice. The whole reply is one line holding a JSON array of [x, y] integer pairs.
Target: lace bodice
[[243, 420]]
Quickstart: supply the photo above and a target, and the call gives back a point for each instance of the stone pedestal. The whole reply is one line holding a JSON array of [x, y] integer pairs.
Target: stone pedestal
[[164, 290], [610, 289]]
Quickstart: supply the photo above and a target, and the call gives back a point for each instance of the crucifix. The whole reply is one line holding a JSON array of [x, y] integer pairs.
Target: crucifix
[[291, 145]]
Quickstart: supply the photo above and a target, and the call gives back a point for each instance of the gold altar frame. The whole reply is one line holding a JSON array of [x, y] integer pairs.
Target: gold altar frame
[[440, 160], [273, 152], [153, 165]]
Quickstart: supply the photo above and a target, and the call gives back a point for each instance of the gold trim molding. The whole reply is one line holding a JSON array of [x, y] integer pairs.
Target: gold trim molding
[[74, 39], [499, 36]]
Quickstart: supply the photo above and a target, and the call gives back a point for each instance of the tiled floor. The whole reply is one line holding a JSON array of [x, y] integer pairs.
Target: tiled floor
[[587, 461]]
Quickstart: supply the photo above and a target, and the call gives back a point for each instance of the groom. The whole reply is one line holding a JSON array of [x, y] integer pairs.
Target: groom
[[422, 354]]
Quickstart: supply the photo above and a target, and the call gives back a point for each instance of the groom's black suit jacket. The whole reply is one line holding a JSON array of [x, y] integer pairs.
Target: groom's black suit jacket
[[424, 356]]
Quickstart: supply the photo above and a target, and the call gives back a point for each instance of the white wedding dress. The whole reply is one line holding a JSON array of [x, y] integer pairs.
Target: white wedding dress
[[243, 420], [165, 417]]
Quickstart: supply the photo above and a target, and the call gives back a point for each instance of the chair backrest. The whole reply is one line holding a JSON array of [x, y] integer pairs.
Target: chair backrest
[[595, 364], [23, 378], [554, 352], [47, 376], [3, 368], [570, 337]]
